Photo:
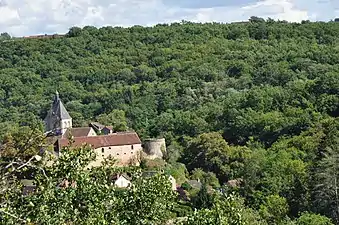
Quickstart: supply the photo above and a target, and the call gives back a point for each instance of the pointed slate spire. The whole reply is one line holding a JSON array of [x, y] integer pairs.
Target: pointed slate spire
[[57, 115], [57, 95], [58, 108]]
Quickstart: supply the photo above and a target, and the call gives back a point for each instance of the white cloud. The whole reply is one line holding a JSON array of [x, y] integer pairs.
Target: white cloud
[[319, 9], [282, 9], [28, 17], [8, 16]]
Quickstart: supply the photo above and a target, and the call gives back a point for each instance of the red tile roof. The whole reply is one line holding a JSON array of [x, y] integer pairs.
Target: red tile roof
[[116, 139]]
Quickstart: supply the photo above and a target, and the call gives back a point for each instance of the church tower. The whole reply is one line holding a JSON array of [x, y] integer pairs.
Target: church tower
[[58, 119]]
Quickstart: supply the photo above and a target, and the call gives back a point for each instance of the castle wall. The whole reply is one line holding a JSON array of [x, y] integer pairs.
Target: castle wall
[[125, 155], [155, 148]]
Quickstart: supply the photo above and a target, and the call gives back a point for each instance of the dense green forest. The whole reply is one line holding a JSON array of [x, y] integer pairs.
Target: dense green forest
[[256, 102]]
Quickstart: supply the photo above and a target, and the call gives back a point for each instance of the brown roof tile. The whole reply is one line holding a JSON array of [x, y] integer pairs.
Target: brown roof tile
[[116, 139], [77, 132]]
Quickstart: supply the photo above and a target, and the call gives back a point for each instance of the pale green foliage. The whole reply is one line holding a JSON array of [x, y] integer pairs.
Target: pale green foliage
[[23, 143], [147, 202], [178, 171], [71, 194], [275, 209], [226, 210], [313, 219]]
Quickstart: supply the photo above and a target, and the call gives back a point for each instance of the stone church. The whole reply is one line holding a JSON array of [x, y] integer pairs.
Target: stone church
[[125, 147], [58, 119]]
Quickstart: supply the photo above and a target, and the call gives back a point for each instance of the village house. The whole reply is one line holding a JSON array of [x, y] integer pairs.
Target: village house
[[79, 132], [125, 181], [101, 129], [125, 147], [107, 130], [122, 180], [97, 126]]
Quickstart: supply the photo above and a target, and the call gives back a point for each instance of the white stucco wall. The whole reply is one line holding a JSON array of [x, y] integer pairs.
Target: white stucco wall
[[173, 183], [92, 133], [122, 182]]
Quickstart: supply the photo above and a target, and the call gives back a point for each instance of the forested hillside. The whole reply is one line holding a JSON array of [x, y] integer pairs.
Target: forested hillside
[[182, 79], [255, 101]]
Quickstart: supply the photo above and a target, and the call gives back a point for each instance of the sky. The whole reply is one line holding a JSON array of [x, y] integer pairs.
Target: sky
[[32, 17]]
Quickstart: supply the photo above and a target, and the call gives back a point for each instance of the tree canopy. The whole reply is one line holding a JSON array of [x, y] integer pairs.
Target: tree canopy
[[249, 111]]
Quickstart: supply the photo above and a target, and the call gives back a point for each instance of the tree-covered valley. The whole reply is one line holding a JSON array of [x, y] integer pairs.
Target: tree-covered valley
[[253, 103]]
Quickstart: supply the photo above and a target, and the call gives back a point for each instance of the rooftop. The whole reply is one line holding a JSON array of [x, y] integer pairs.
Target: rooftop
[[58, 109], [77, 132], [116, 139], [97, 126]]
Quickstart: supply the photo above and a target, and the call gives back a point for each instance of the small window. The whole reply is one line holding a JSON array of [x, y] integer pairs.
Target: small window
[[117, 153], [103, 156], [131, 152], [132, 147], [125, 153], [109, 147], [102, 150]]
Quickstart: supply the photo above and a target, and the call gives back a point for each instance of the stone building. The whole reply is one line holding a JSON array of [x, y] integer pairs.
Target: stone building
[[79, 132], [101, 129], [125, 147], [58, 119], [155, 148], [107, 130], [122, 180]]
